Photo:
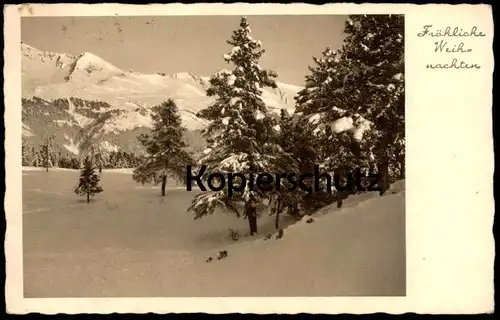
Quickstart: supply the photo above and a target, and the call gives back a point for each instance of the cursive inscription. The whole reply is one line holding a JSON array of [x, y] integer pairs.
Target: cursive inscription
[[448, 32], [447, 47]]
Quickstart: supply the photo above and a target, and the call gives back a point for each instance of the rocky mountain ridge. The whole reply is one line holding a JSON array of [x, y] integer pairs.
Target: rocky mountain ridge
[[63, 92]]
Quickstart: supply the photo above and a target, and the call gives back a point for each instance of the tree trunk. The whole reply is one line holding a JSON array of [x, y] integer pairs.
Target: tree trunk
[[384, 176], [250, 212], [252, 222], [277, 225], [402, 168], [88, 197], [340, 198], [163, 185], [100, 169], [277, 210]]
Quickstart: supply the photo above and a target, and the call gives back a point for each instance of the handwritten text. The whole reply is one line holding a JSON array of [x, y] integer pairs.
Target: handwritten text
[[444, 46]]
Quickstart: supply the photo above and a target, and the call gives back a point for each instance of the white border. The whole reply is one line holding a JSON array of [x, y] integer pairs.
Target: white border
[[449, 215]]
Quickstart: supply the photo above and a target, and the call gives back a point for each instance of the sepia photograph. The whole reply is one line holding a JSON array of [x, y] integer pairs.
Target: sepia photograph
[[119, 115], [140, 135]]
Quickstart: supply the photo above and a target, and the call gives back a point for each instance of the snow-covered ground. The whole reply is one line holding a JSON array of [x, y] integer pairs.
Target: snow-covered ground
[[129, 241], [56, 169]]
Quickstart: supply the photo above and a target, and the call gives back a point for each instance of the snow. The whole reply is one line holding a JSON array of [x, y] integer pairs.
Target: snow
[[81, 120], [235, 163], [88, 60], [360, 129], [371, 157], [71, 146], [398, 77], [123, 90], [128, 121], [61, 123], [119, 246], [107, 146], [369, 35], [235, 50], [231, 79], [259, 115], [343, 124], [317, 131], [27, 131], [315, 118]]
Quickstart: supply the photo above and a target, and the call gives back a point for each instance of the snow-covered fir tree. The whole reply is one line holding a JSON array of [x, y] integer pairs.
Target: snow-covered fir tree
[[27, 158], [376, 43], [47, 158], [355, 96], [166, 152], [242, 135], [37, 160], [298, 139], [88, 184]]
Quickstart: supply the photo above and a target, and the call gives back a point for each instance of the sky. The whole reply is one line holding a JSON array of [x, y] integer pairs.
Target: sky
[[195, 44]]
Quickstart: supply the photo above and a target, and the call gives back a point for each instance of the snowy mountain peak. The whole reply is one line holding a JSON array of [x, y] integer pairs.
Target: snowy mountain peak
[[90, 85], [90, 63], [43, 57]]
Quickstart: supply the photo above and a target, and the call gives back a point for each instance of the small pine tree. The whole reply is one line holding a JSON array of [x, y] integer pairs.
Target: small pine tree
[[89, 181], [46, 153], [37, 160]]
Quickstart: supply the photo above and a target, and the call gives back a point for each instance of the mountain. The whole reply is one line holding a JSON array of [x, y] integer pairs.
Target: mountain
[[63, 92]]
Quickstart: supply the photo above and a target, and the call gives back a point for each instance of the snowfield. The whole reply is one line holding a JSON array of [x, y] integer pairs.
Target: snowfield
[[130, 242]]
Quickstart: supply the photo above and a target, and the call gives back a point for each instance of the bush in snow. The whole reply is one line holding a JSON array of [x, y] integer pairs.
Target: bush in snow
[[222, 255], [233, 234]]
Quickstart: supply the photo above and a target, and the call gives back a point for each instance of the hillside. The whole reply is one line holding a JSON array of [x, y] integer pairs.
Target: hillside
[[62, 92], [131, 242]]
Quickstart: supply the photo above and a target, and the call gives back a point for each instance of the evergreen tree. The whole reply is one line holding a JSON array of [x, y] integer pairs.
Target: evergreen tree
[[37, 160], [377, 41], [355, 96], [46, 156], [165, 147], [89, 181], [27, 159], [241, 135]]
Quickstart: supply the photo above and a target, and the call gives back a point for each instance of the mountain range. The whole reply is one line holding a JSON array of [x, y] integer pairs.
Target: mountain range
[[61, 93]]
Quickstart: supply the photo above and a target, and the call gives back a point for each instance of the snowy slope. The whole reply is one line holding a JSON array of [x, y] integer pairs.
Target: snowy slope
[[358, 250], [131, 242], [49, 76]]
